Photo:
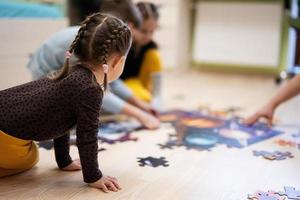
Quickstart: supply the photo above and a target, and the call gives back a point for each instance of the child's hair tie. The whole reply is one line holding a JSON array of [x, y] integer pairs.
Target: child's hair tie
[[68, 54], [105, 68]]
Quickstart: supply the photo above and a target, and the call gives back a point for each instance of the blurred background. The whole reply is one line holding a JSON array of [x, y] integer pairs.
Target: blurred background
[[221, 53]]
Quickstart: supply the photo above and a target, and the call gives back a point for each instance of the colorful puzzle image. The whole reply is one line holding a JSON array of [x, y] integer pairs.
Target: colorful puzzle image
[[204, 130]]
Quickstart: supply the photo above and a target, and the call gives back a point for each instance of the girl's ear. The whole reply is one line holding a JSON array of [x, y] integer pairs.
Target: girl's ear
[[116, 60]]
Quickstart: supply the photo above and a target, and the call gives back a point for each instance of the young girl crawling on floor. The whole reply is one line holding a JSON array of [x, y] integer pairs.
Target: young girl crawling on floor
[[48, 108]]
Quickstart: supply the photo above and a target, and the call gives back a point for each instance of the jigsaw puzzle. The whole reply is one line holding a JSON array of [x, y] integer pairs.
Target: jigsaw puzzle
[[276, 155], [290, 193], [270, 195], [153, 162], [204, 130]]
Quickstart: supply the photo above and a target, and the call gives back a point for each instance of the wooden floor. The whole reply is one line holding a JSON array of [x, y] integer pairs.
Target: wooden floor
[[222, 174]]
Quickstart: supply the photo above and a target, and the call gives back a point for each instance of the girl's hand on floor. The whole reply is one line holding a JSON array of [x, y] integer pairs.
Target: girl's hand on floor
[[106, 184], [266, 112], [74, 166]]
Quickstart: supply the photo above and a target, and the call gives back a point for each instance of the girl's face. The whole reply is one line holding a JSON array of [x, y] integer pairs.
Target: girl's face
[[145, 34]]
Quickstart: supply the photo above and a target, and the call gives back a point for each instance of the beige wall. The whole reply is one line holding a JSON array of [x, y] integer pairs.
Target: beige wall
[[20, 38]]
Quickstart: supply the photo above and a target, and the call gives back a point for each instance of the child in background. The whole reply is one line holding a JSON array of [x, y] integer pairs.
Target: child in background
[[142, 72], [48, 108], [119, 100], [291, 89], [78, 10]]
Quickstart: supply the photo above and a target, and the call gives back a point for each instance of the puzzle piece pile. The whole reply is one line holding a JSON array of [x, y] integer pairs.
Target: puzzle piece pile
[[289, 193], [292, 140], [276, 155]]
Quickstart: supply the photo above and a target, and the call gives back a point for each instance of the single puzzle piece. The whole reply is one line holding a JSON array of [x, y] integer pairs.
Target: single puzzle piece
[[276, 155], [290, 193], [153, 162], [124, 138], [270, 195], [284, 143], [171, 145]]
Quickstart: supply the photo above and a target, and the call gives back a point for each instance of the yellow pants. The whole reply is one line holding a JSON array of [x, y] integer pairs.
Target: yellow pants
[[141, 85], [16, 155]]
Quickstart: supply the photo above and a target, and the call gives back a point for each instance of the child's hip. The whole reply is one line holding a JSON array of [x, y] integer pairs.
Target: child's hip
[[17, 153]]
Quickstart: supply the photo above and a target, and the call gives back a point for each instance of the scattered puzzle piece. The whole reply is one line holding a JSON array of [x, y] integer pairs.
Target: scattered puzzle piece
[[153, 162], [123, 138], [276, 155], [270, 195], [290, 193], [284, 143]]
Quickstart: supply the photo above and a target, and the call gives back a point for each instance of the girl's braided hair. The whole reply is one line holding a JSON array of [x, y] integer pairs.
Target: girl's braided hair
[[99, 36]]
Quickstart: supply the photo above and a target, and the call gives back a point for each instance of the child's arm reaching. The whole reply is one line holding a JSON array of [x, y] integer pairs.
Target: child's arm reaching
[[291, 89], [121, 90], [121, 100]]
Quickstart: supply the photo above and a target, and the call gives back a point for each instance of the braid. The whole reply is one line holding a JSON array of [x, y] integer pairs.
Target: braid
[[115, 33], [66, 67]]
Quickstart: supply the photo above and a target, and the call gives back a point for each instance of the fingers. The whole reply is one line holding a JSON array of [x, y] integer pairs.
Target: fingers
[[106, 184], [270, 121], [115, 182], [104, 188], [252, 119], [111, 186]]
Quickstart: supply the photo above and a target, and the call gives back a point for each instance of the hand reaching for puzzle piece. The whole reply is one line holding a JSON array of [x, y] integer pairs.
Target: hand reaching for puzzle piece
[[149, 121], [106, 184], [74, 166], [266, 112]]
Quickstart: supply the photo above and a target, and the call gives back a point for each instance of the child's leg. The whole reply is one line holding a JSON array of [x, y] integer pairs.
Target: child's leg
[[16, 155]]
